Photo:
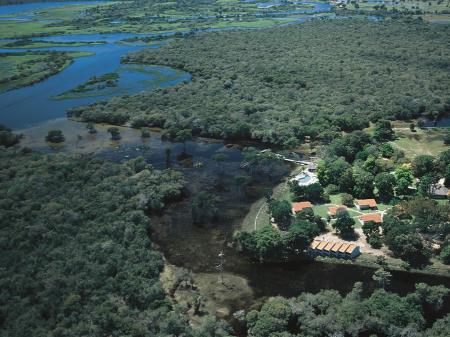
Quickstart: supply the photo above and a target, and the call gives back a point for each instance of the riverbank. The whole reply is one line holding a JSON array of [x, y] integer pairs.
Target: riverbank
[[31, 44]]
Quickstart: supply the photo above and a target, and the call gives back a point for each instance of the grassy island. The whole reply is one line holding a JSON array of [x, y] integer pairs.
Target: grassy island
[[26, 68]]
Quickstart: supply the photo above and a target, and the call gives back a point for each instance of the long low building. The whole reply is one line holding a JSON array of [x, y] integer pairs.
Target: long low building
[[344, 250]]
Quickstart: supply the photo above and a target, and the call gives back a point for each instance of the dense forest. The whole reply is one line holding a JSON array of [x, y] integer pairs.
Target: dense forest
[[328, 313], [76, 259], [282, 84]]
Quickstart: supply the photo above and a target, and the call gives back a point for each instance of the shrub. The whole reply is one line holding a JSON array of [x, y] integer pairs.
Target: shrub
[[55, 136]]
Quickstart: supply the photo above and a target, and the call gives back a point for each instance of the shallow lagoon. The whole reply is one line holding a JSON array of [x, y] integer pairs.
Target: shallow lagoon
[[30, 105]]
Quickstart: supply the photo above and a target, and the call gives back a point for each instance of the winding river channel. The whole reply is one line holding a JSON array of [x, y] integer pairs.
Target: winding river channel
[[182, 243], [28, 106]]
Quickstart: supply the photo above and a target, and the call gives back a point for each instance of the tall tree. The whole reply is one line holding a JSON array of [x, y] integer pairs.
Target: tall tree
[[404, 179], [383, 131], [344, 224], [385, 184], [281, 211], [422, 165]]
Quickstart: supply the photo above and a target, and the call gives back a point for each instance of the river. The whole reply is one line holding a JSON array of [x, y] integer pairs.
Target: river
[[28, 106]]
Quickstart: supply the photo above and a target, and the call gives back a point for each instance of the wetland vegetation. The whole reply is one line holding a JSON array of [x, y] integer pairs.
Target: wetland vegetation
[[26, 68], [280, 85]]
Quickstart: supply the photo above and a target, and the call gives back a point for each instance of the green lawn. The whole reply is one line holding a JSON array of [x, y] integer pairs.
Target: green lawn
[[426, 141]]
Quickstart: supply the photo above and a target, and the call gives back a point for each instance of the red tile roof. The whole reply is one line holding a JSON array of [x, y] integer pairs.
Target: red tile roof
[[315, 243], [333, 209], [367, 202], [299, 206], [329, 246], [375, 217]]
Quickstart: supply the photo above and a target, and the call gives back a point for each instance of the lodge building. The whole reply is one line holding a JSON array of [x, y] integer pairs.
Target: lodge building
[[343, 250]]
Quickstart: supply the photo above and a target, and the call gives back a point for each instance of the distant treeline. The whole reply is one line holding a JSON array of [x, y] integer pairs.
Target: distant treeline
[[283, 84]]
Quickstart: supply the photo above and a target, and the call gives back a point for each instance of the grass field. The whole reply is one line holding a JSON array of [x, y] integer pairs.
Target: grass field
[[71, 19], [422, 141], [432, 6], [22, 69]]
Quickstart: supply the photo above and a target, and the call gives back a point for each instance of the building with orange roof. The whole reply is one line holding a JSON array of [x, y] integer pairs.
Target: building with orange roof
[[327, 248], [366, 204], [315, 243], [375, 217], [335, 249], [352, 251], [332, 210], [321, 245], [343, 248], [300, 206]]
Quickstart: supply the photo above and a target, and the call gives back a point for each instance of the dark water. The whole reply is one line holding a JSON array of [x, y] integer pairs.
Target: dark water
[[196, 246], [443, 122]]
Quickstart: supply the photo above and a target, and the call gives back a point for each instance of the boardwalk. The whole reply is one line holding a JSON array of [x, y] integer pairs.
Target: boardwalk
[[301, 162]]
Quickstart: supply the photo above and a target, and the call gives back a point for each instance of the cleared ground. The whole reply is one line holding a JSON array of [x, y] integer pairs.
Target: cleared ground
[[426, 141]]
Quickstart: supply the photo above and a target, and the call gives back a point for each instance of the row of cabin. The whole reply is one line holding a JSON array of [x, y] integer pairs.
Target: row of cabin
[[342, 250]]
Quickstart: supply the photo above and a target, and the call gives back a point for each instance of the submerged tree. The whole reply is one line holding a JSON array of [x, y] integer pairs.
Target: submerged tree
[[204, 207], [55, 136], [382, 277], [145, 133], [7, 138], [115, 133], [183, 136], [91, 128]]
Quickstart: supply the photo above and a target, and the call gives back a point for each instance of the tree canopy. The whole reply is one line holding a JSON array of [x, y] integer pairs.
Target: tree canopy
[[283, 84]]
